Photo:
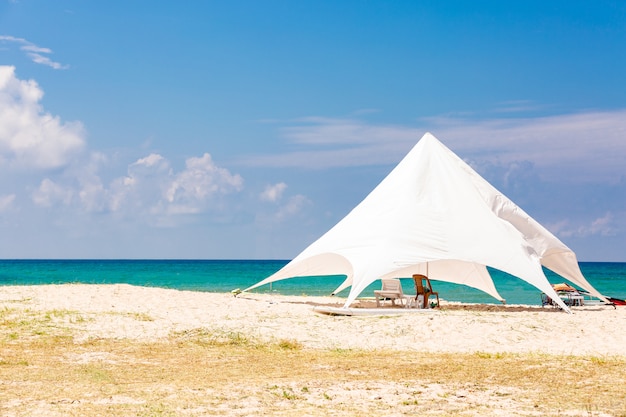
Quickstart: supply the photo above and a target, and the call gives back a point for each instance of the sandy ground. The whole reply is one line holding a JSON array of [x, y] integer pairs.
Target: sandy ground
[[113, 311]]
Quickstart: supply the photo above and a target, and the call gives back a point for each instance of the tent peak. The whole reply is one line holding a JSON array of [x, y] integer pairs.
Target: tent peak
[[429, 136]]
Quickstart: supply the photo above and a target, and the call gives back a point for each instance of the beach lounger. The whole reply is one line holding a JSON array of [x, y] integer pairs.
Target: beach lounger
[[423, 288], [569, 294], [392, 290]]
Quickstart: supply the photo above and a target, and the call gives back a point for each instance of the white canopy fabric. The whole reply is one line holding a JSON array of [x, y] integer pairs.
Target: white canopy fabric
[[434, 215]]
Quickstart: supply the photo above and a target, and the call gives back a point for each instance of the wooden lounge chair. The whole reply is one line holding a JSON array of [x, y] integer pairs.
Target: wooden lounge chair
[[392, 290], [423, 288]]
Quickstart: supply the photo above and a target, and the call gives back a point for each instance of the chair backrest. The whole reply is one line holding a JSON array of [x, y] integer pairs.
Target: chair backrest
[[392, 284], [420, 288]]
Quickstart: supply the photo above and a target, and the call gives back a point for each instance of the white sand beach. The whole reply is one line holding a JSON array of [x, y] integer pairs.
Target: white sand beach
[[126, 355], [142, 313]]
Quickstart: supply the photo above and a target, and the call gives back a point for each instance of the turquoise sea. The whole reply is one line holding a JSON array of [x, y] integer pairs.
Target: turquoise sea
[[226, 275]]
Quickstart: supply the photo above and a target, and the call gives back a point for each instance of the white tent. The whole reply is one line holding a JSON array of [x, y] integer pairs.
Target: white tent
[[433, 214]]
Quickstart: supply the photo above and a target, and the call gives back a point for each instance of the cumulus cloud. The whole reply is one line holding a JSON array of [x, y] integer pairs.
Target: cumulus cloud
[[282, 207], [282, 212], [293, 206], [142, 188], [152, 189], [36, 53], [30, 137], [91, 191], [50, 193], [273, 193], [34, 142], [188, 190]]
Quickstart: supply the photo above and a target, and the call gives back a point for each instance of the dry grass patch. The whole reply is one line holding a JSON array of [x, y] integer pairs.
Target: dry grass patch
[[211, 372]]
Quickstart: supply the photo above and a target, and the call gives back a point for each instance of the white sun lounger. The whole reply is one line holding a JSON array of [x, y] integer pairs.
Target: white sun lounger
[[392, 290]]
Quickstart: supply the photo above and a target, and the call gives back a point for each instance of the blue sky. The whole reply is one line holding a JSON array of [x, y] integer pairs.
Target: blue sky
[[246, 129]]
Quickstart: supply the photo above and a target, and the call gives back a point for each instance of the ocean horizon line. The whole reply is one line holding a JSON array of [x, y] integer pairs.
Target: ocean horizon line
[[211, 260]]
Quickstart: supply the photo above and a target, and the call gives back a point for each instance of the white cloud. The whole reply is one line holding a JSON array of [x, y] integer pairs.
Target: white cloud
[[294, 205], [329, 131], [36, 53], [601, 226], [581, 146], [50, 193], [6, 202], [91, 191], [32, 140], [189, 190], [30, 137], [281, 211], [151, 192], [587, 146], [152, 160], [152, 189], [136, 193], [273, 193]]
